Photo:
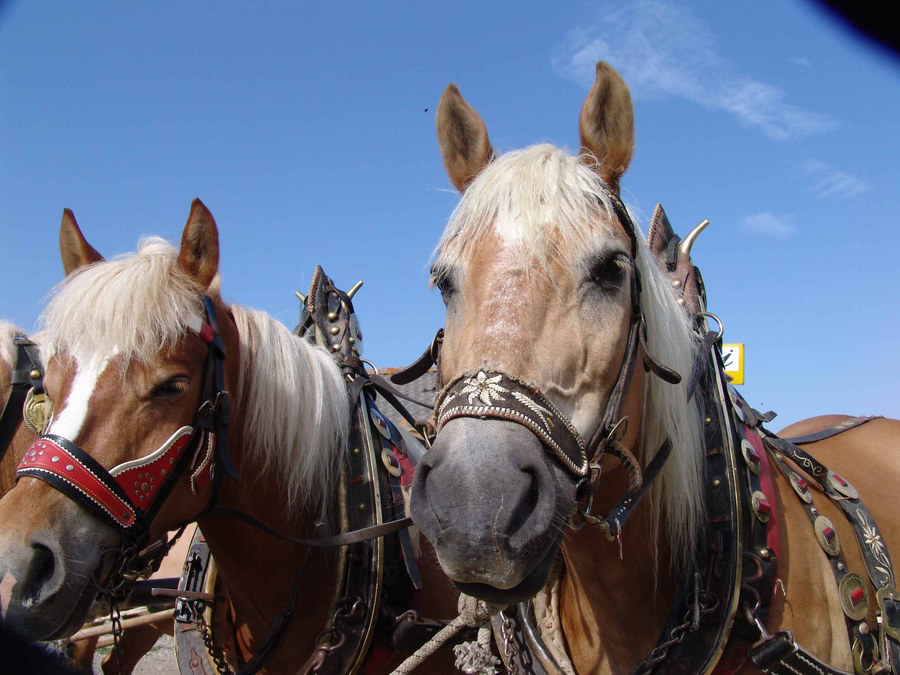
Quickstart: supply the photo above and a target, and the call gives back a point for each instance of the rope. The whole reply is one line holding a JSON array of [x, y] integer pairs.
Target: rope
[[475, 658]]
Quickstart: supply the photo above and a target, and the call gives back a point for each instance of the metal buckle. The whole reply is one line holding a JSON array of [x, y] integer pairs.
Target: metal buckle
[[890, 616]]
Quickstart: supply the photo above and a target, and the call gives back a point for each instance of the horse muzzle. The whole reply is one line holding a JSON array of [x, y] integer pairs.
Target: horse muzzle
[[493, 503], [48, 569]]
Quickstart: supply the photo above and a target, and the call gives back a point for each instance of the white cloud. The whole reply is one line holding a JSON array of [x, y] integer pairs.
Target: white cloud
[[656, 48], [826, 181], [768, 225]]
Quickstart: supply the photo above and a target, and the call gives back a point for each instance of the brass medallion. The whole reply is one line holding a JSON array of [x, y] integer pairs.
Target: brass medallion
[[36, 411]]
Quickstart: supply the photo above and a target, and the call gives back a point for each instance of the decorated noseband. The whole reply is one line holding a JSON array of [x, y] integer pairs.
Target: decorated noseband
[[128, 496], [498, 396]]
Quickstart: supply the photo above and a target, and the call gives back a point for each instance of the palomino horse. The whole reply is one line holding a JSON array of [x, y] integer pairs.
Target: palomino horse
[[577, 385], [142, 440]]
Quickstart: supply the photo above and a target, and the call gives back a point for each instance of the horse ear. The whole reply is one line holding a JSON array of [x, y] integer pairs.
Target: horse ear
[[463, 138], [660, 233], [199, 255], [73, 247], [607, 124]]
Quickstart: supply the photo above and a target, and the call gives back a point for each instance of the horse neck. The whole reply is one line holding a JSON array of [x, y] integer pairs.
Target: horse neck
[[615, 597], [259, 570], [621, 590]]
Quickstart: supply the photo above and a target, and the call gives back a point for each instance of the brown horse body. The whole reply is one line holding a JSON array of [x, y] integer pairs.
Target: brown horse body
[[535, 269]]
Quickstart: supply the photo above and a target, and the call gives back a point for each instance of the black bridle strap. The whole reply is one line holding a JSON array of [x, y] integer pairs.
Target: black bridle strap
[[27, 360]]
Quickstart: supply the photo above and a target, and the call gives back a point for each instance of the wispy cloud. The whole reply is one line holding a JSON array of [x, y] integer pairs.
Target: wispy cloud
[[655, 47], [826, 181], [768, 225]]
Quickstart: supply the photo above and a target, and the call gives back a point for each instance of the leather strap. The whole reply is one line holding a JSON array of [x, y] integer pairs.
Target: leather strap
[[27, 360], [421, 365], [839, 428], [780, 655]]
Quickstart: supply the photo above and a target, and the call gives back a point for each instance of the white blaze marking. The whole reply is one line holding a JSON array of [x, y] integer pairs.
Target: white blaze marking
[[73, 413]]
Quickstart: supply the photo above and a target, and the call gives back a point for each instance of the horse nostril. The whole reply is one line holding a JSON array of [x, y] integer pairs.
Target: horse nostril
[[40, 573], [527, 502]]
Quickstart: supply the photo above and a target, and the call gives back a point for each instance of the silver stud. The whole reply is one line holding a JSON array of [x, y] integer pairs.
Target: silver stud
[[162, 472], [54, 459], [144, 487], [69, 467]]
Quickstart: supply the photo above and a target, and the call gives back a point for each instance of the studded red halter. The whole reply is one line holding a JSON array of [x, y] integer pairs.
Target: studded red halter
[[128, 496]]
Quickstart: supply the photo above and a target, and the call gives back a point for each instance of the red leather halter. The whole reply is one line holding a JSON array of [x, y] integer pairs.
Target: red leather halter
[[128, 496]]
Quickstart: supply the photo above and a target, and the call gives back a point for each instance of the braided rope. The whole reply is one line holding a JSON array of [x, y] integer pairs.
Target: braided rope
[[473, 613]]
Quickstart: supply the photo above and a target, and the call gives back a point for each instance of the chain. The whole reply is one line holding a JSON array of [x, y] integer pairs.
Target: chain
[[661, 650], [704, 602], [214, 650], [510, 647], [115, 618]]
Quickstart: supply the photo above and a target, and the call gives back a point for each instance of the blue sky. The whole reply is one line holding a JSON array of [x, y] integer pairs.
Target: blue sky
[[308, 130]]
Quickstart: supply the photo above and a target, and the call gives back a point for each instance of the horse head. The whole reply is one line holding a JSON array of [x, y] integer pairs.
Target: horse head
[[130, 448], [552, 299]]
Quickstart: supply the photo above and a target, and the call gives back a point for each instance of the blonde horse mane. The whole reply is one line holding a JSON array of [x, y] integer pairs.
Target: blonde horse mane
[[7, 349], [290, 392], [295, 403], [549, 204]]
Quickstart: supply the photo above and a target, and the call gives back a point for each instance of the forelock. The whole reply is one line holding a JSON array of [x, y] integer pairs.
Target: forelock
[[134, 305], [541, 200]]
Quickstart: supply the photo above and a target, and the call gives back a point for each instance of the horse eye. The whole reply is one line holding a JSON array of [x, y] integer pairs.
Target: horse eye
[[171, 388], [611, 271], [444, 282]]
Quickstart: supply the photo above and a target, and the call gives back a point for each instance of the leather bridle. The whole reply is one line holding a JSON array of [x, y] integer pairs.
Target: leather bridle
[[499, 395], [128, 496]]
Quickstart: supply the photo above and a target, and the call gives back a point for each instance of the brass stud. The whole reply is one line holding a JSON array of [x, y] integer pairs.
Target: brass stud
[[334, 330], [352, 340], [332, 316], [679, 301], [765, 553], [354, 452], [35, 374], [707, 421], [676, 284], [716, 482], [335, 348], [361, 507]]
